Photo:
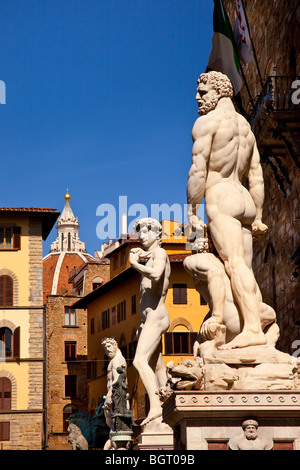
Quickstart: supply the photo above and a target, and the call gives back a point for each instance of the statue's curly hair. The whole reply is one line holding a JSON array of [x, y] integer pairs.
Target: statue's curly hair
[[151, 224], [219, 81]]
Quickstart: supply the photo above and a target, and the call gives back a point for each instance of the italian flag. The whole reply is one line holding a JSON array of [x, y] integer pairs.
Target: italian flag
[[223, 56]]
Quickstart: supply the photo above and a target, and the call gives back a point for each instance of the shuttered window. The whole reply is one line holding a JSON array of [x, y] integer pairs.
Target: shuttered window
[[105, 319], [6, 342], [10, 238], [178, 342], [179, 294], [9, 343], [71, 386], [70, 351], [5, 431], [121, 311], [6, 291], [5, 393], [133, 304]]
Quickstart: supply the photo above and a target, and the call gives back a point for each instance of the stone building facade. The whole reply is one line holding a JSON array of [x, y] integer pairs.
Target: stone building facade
[[22, 327], [68, 273], [274, 115], [66, 367]]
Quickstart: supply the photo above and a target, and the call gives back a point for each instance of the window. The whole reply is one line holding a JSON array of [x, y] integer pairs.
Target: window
[[113, 315], [105, 319], [116, 262], [121, 311], [92, 369], [99, 322], [67, 411], [9, 343], [69, 241], [5, 431], [5, 393], [70, 316], [71, 386], [6, 291], [133, 304], [95, 285], [6, 342], [123, 257], [10, 238], [70, 351], [179, 294], [179, 342]]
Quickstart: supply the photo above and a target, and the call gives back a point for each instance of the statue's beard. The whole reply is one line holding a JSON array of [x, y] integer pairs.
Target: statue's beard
[[205, 108], [251, 436], [111, 354]]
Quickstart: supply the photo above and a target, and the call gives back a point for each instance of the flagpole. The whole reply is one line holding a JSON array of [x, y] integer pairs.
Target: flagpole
[[253, 48]]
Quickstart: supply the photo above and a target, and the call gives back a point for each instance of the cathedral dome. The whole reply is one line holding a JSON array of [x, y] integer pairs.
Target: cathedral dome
[[67, 252]]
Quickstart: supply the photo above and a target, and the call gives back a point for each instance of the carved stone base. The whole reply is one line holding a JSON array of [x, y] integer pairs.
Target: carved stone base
[[156, 436], [121, 440], [251, 368], [204, 420]]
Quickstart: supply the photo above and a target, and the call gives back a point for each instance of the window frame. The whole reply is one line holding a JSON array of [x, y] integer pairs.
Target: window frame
[[179, 294], [4, 434], [7, 291], [121, 311], [172, 339], [5, 388], [133, 304], [15, 237], [68, 311], [105, 316], [71, 384], [70, 351]]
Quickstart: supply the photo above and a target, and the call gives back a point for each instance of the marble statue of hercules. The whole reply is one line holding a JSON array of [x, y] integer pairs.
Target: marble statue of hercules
[[224, 151], [153, 264]]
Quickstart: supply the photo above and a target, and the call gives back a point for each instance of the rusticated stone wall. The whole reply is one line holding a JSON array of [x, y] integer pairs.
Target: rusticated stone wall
[[275, 28], [58, 368]]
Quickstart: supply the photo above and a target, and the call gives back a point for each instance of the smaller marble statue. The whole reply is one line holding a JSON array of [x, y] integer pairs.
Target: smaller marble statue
[[153, 264], [251, 438], [121, 415], [113, 353]]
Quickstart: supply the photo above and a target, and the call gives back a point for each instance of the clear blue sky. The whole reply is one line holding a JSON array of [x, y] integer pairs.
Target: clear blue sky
[[100, 100]]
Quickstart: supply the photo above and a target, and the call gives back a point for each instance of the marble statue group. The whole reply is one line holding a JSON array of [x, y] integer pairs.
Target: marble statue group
[[241, 328]]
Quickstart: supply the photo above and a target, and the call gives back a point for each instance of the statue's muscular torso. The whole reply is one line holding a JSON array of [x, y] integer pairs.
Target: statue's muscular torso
[[228, 160]]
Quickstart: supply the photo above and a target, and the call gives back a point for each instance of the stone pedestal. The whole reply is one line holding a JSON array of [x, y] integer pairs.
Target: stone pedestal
[[204, 420], [121, 440], [156, 436]]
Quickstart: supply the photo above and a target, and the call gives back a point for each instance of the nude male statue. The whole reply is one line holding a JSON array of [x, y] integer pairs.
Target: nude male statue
[[154, 266], [225, 151], [116, 358]]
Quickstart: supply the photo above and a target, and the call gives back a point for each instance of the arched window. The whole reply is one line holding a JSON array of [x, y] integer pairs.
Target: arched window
[[67, 411], [6, 342], [6, 291], [5, 393], [180, 341], [9, 343]]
